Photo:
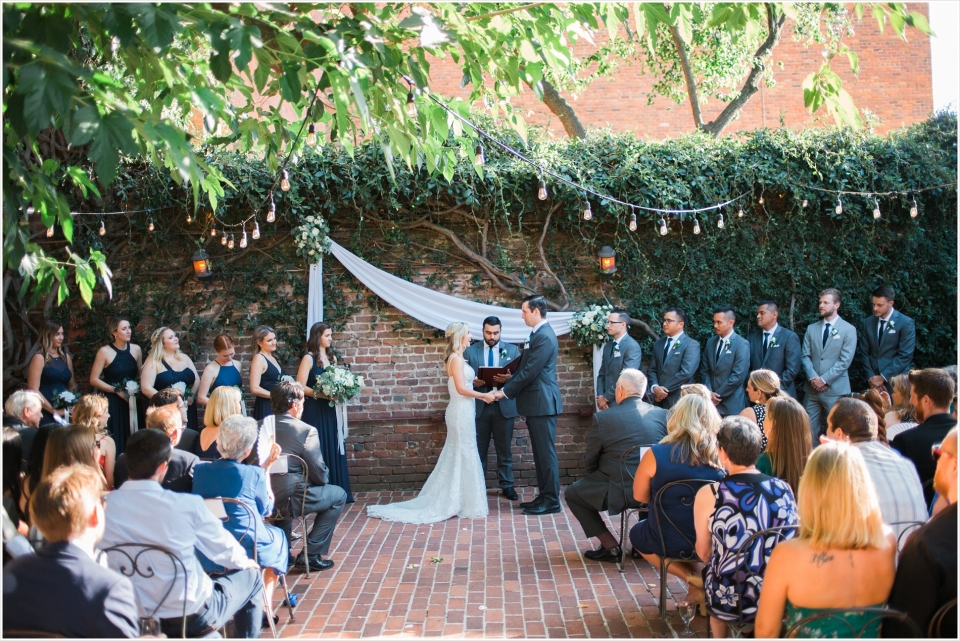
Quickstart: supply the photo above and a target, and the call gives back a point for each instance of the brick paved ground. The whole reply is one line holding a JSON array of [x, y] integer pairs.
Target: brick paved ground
[[505, 576]]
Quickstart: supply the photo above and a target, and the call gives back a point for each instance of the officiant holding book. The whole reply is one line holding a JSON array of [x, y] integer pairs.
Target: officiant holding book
[[494, 419]]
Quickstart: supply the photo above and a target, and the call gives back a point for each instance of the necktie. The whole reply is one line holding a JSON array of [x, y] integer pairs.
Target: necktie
[[880, 331], [826, 334], [666, 348], [489, 356], [719, 347], [766, 339]]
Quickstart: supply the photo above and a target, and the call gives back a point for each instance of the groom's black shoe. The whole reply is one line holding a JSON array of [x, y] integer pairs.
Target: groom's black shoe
[[510, 493], [604, 554], [316, 562], [534, 503], [543, 508]]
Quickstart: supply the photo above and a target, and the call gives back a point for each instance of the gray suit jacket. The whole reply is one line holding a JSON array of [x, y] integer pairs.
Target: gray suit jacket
[[534, 385], [614, 431], [628, 356], [895, 351], [727, 375], [831, 362], [299, 438], [783, 356], [678, 369], [474, 357]]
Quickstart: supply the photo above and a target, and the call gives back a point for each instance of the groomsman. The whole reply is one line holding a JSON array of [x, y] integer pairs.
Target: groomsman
[[726, 364], [676, 358], [494, 419], [828, 350], [618, 354], [887, 342], [774, 347]]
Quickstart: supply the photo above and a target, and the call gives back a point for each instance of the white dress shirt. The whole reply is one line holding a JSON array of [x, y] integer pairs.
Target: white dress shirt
[[538, 326], [140, 511]]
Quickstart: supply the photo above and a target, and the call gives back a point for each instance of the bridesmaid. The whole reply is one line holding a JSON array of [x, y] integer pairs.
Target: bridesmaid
[[117, 362], [316, 409], [223, 371], [265, 371], [51, 369], [160, 371]]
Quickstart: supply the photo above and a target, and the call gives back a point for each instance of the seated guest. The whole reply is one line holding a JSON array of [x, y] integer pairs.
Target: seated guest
[[92, 412], [61, 590], [874, 400], [931, 392], [15, 543], [689, 451], [901, 416], [35, 463], [179, 476], [228, 477], [325, 500], [23, 411], [695, 388], [72, 445], [628, 422], [788, 441], [13, 477], [189, 438], [762, 386], [843, 556], [222, 402], [729, 512], [141, 511], [927, 571], [894, 477]]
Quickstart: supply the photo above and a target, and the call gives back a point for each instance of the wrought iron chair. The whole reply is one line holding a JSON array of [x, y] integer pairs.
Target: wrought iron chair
[[629, 502], [872, 616], [285, 512], [909, 526], [936, 622]]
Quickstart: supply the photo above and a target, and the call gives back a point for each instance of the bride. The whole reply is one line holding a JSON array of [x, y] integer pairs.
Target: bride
[[456, 486]]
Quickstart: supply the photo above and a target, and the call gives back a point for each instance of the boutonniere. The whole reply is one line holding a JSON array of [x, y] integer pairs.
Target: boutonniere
[[503, 353], [675, 347], [890, 325], [616, 349], [773, 342], [726, 346], [834, 332]]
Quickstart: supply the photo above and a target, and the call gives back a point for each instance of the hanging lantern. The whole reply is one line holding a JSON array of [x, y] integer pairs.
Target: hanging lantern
[[201, 267], [608, 260]]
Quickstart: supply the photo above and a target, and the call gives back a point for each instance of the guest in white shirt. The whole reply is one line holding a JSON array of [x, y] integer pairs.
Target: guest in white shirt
[[141, 511]]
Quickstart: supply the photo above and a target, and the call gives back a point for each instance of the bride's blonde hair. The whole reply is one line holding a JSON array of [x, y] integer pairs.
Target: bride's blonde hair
[[456, 332]]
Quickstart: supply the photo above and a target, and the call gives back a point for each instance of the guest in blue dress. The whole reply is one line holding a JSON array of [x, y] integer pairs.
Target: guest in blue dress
[[115, 364], [229, 478], [224, 402], [265, 370], [317, 410], [167, 366], [51, 369], [223, 371]]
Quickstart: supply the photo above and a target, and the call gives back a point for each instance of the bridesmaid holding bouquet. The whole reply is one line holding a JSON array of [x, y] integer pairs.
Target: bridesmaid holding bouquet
[[265, 370], [51, 370], [117, 363], [161, 371]]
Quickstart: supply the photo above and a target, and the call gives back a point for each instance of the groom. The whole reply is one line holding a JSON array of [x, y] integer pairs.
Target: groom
[[534, 386]]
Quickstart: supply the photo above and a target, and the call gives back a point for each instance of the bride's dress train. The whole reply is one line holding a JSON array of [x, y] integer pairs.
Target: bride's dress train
[[456, 486]]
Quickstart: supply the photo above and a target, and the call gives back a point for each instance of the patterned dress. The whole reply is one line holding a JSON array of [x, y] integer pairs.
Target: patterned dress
[[746, 503], [760, 411]]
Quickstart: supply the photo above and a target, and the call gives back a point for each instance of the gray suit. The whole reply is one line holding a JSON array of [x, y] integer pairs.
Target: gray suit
[[534, 386], [782, 356], [614, 361], [497, 418], [831, 363], [327, 501], [679, 368], [614, 431], [894, 352], [727, 375]]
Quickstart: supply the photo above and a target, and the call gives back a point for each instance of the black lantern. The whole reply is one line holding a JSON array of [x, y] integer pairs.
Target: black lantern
[[201, 267], [608, 260]]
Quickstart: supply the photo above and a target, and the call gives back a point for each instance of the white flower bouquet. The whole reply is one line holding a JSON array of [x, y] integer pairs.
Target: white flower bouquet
[[286, 378], [589, 327], [65, 399], [338, 385], [185, 392], [312, 238], [129, 386]]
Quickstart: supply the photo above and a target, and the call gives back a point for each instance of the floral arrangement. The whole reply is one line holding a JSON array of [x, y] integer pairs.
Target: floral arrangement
[[185, 392], [589, 327], [312, 238], [286, 378], [65, 399], [129, 386], [338, 385]]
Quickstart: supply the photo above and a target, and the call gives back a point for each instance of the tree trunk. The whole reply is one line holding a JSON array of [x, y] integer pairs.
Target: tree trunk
[[688, 77], [562, 110]]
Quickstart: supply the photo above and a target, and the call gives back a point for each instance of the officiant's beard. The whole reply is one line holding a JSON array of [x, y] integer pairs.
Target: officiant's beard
[[491, 342]]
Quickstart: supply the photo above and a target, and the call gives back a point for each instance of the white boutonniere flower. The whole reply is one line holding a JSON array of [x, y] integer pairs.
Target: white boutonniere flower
[[616, 350], [890, 326], [773, 342], [503, 353], [834, 332], [726, 346], [675, 347]]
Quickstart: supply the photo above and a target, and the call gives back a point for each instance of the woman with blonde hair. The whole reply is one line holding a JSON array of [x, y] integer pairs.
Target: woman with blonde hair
[[456, 486], [762, 385], [51, 369], [166, 366], [901, 416], [788, 445], [223, 402], [93, 411], [265, 370], [843, 556]]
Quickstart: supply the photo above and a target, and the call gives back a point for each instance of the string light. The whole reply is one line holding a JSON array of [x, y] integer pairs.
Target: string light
[[285, 180], [271, 210], [223, 240], [230, 242], [633, 221], [696, 225], [740, 212], [720, 222], [761, 199], [256, 230], [587, 212], [312, 135], [481, 158], [150, 225], [213, 231], [913, 209], [243, 239], [876, 209], [103, 229], [839, 208], [189, 218], [411, 105], [663, 227], [804, 203], [542, 192]]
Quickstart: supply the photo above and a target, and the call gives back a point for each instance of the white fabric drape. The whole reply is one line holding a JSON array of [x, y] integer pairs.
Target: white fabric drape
[[132, 413], [315, 295]]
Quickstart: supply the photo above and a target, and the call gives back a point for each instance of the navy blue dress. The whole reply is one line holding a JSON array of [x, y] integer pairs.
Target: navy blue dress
[[248, 483], [170, 377], [123, 368], [318, 413], [228, 376], [53, 380], [268, 380]]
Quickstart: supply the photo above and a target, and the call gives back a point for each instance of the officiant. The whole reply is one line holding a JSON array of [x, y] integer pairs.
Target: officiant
[[494, 419]]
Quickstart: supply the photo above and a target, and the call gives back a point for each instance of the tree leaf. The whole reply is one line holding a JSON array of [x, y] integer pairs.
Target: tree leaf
[[84, 125], [47, 92], [114, 137]]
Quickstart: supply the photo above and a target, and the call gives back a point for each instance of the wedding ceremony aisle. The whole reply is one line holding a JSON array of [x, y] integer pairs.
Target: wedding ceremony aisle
[[507, 576]]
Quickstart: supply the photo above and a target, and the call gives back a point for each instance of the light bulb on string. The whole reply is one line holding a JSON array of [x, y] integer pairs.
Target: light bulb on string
[[411, 105], [663, 227], [481, 158], [256, 230], [189, 218], [285, 180], [804, 203], [243, 239], [150, 225], [103, 229], [740, 212], [542, 192], [587, 212], [312, 135], [633, 221], [223, 239], [230, 242], [839, 208], [913, 209], [876, 209], [271, 210], [720, 222], [761, 199], [696, 225], [213, 231]]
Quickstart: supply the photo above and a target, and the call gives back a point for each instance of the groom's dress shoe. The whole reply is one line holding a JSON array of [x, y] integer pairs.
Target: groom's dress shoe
[[510, 493], [603, 554], [543, 508], [534, 503], [316, 562]]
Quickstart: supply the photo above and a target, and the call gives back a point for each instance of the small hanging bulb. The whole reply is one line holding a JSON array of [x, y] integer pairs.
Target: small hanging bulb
[[50, 231], [213, 231], [876, 209], [243, 239], [740, 212], [103, 229], [223, 240], [720, 222], [150, 225], [761, 199], [913, 209], [411, 105], [271, 210], [587, 212], [804, 203], [542, 192], [230, 242], [312, 135], [696, 226], [839, 208], [189, 218], [256, 230], [481, 158], [663, 227], [633, 222], [285, 180]]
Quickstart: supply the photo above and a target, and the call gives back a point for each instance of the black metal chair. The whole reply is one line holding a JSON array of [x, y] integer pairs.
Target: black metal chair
[[934, 631], [628, 501], [872, 616], [285, 512], [909, 526], [132, 562]]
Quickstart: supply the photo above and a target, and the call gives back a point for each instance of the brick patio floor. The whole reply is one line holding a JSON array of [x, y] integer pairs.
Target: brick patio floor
[[508, 575]]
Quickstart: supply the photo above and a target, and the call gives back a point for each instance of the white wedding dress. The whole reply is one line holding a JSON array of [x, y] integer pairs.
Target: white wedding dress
[[456, 486]]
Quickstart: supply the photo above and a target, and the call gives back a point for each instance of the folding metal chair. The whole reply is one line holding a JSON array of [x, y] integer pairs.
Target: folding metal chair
[[873, 615], [285, 512], [936, 622], [629, 502]]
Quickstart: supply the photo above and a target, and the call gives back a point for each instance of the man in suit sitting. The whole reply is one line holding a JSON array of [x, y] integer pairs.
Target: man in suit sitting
[[608, 484], [61, 590], [887, 342], [774, 347], [618, 354], [726, 364], [675, 360], [323, 499], [829, 346], [494, 419], [179, 477], [23, 411], [189, 439]]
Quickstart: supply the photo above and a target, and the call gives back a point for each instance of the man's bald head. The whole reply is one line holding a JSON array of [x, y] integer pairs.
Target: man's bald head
[[945, 477]]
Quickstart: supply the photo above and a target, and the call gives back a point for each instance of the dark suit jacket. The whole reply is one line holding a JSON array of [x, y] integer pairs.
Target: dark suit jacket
[[678, 369], [915, 444], [474, 357], [893, 354], [179, 476], [26, 435], [299, 438], [60, 589], [534, 385], [727, 375], [613, 363], [189, 441], [783, 357], [614, 431]]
